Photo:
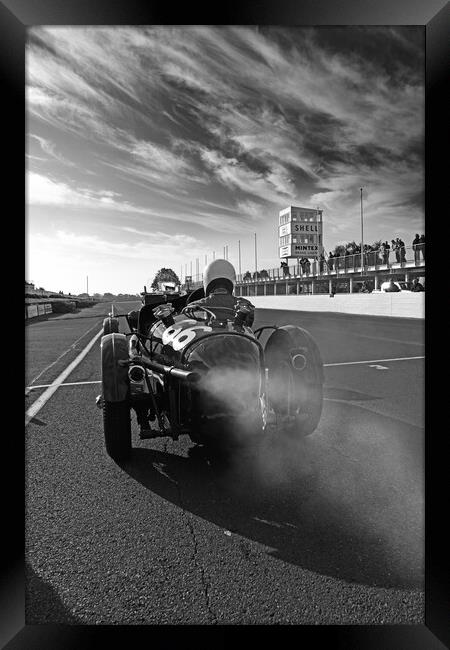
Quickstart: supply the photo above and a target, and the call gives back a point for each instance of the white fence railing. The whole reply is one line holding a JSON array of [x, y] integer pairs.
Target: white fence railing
[[391, 261]]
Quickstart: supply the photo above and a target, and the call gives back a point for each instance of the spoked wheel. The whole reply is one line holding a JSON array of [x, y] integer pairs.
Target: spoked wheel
[[295, 383]]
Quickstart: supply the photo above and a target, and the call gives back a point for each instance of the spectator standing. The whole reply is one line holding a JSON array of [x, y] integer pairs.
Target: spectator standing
[[350, 257], [422, 246], [387, 250], [330, 260], [377, 254], [364, 254], [304, 262], [416, 249], [284, 266], [402, 249], [337, 261], [321, 262], [308, 266], [396, 250]]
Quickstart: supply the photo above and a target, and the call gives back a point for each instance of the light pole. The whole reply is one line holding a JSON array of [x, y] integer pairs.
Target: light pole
[[239, 254], [256, 256], [362, 234]]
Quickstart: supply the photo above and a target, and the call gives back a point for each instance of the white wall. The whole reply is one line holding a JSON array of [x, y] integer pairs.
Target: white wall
[[405, 304]]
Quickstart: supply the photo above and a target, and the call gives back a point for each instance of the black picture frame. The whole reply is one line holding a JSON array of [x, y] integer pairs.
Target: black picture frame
[[15, 17]]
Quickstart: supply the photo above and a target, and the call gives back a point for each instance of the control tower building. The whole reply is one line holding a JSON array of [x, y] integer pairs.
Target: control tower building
[[300, 232]]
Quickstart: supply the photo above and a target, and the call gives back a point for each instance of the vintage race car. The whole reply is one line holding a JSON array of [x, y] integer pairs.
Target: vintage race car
[[200, 371]]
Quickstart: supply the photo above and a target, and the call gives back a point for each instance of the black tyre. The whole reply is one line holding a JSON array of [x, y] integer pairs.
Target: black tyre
[[110, 325], [115, 392], [295, 394], [117, 430]]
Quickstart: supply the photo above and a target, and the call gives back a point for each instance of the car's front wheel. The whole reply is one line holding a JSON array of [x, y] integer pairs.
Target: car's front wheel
[[110, 325], [115, 396]]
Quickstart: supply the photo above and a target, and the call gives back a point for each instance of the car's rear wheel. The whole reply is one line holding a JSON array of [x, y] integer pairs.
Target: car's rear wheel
[[110, 325], [117, 430], [295, 390]]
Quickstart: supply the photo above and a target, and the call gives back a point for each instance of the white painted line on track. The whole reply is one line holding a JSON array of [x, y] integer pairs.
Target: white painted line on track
[[325, 365], [353, 363], [43, 399], [382, 338], [67, 383], [63, 354]]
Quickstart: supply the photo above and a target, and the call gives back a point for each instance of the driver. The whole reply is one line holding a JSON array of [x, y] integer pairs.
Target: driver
[[219, 278]]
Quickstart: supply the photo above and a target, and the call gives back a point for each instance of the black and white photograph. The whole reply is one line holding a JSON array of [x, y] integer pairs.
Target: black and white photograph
[[225, 325]]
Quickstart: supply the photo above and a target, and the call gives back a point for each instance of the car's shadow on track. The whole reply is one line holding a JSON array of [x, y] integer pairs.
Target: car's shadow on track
[[283, 500], [43, 604]]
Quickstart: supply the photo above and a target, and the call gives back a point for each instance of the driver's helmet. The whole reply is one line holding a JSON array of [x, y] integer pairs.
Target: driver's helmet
[[219, 272]]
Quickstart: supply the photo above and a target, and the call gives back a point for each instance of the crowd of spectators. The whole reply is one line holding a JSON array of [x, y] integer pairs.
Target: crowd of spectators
[[349, 256], [373, 254]]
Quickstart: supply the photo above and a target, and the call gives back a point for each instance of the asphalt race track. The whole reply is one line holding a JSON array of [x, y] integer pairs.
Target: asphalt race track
[[325, 531]]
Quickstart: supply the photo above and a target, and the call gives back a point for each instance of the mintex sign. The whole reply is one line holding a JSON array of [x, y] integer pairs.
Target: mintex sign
[[300, 232], [302, 249]]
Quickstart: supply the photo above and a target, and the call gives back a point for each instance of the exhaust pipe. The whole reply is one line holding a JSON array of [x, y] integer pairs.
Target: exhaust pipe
[[298, 361], [136, 374]]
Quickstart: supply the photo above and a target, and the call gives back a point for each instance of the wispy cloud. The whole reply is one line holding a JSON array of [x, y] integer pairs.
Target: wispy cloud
[[153, 248], [49, 148], [42, 190]]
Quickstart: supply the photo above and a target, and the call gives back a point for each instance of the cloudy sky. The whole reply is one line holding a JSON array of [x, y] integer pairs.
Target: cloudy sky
[[151, 147]]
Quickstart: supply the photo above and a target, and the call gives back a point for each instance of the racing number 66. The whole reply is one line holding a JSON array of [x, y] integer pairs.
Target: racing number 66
[[180, 337]]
